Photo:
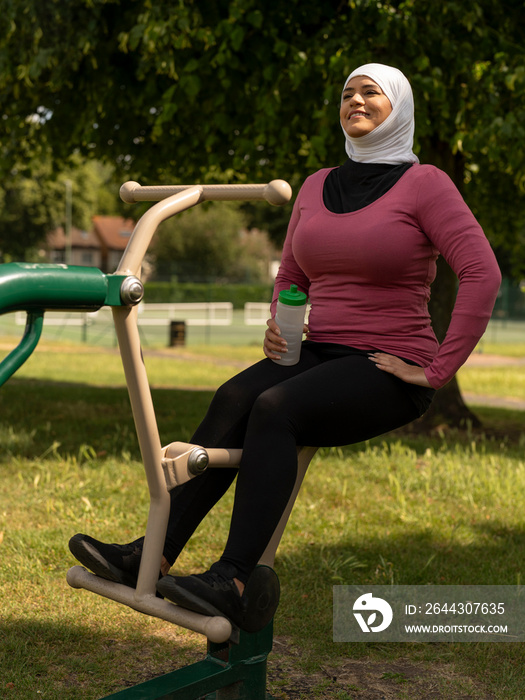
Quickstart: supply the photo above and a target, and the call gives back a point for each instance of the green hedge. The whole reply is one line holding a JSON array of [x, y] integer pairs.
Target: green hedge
[[184, 292]]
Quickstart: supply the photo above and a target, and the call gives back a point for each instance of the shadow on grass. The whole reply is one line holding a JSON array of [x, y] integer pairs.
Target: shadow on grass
[[308, 573], [36, 415], [39, 416], [497, 557], [67, 661]]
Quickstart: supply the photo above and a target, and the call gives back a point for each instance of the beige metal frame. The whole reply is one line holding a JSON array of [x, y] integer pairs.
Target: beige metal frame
[[166, 467]]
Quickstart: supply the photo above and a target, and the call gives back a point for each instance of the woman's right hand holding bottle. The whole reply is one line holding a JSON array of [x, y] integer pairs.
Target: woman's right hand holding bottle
[[274, 344]]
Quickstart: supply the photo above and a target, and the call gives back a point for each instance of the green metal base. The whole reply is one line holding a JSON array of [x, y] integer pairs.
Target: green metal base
[[229, 672]]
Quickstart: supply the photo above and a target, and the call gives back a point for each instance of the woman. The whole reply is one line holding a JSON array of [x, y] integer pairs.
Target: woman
[[362, 243]]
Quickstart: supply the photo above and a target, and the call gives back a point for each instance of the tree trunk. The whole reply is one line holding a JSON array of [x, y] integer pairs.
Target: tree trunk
[[448, 406]]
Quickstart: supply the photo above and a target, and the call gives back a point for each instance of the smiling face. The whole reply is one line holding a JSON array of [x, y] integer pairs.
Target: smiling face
[[364, 106]]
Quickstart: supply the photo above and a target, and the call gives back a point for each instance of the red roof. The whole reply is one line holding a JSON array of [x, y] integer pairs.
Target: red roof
[[108, 232], [113, 231], [56, 240]]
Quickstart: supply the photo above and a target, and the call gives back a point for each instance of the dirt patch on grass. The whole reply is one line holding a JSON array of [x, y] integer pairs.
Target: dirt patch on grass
[[365, 679], [350, 679]]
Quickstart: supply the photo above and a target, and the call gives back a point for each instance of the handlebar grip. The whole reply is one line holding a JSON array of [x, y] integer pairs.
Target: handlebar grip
[[277, 192]]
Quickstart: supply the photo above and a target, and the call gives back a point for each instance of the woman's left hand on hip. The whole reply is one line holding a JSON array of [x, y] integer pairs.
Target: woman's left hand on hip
[[412, 374]]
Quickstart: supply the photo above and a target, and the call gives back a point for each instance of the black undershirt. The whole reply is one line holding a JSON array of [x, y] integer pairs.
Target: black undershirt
[[355, 185]]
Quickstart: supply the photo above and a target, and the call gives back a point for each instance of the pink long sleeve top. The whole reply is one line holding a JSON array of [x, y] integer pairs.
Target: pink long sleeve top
[[368, 273]]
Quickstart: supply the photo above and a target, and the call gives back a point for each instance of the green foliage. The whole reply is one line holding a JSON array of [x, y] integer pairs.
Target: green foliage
[[33, 201], [27, 211], [201, 90], [213, 85], [211, 242]]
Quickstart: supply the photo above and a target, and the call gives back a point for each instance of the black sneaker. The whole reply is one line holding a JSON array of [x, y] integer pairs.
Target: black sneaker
[[114, 562], [215, 593]]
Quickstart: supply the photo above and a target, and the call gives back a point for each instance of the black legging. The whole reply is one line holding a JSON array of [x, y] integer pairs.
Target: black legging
[[334, 396]]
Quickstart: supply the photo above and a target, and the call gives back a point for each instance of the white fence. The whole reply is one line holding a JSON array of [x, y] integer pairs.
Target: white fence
[[206, 322], [256, 314], [193, 314]]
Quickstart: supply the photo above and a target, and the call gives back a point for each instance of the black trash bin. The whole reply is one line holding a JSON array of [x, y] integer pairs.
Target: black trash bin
[[177, 333]]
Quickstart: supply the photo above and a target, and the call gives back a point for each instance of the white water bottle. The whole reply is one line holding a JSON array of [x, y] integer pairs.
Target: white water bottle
[[289, 316]]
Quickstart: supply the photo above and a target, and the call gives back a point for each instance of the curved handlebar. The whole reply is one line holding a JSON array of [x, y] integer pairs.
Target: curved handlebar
[[276, 192]]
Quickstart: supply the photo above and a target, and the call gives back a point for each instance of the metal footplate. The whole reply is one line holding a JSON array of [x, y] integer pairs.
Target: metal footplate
[[217, 629]]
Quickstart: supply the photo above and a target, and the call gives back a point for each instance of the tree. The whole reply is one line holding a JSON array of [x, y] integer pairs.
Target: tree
[[189, 90], [220, 86], [211, 242], [201, 90], [33, 202]]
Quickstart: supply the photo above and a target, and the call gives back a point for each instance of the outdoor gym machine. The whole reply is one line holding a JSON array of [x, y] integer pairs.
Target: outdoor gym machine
[[235, 666]]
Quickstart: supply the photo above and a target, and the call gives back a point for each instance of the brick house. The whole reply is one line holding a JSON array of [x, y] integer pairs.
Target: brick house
[[100, 247]]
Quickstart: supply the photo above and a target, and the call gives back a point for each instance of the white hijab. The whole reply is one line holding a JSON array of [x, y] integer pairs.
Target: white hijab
[[391, 141]]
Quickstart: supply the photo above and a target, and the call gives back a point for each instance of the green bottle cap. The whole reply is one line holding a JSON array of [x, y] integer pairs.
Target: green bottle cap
[[292, 296]]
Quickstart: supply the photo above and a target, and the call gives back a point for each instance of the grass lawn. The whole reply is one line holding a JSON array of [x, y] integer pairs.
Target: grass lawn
[[445, 508]]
